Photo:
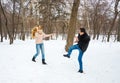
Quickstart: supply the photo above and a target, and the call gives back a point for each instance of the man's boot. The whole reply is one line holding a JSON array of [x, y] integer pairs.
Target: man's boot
[[66, 55], [80, 71], [43, 62]]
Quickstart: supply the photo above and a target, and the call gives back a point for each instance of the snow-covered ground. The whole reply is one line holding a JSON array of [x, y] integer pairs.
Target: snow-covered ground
[[101, 63]]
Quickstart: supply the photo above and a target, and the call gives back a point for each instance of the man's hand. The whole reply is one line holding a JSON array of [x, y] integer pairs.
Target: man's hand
[[76, 39]]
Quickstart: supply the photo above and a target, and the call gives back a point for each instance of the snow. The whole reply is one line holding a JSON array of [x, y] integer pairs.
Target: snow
[[100, 62]]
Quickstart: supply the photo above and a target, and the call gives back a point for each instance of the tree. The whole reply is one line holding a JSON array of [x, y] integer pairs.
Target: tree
[[49, 12], [6, 24], [1, 33], [72, 24], [114, 19], [23, 20], [118, 29], [13, 22]]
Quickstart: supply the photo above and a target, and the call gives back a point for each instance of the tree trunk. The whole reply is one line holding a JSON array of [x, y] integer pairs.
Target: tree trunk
[[47, 19], [118, 34], [23, 21], [72, 24], [18, 22], [86, 16], [13, 22], [110, 30], [113, 23], [1, 33], [6, 24]]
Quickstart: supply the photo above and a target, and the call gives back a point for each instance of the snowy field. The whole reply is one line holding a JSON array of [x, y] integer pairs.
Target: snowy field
[[100, 62]]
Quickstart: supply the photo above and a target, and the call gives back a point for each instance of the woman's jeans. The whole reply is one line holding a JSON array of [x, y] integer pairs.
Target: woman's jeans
[[38, 48], [73, 47]]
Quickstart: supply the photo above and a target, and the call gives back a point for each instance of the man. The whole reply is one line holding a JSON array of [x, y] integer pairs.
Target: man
[[82, 44]]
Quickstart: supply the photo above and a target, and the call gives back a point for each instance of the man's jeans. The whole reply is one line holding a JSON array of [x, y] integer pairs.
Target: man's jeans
[[73, 47], [38, 48]]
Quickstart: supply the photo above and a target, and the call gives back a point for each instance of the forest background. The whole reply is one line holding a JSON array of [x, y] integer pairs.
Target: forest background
[[62, 17]]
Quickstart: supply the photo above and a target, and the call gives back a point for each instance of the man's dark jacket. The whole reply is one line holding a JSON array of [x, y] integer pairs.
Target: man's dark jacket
[[83, 41]]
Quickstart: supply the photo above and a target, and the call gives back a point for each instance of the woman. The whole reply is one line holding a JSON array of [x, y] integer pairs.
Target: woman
[[39, 35]]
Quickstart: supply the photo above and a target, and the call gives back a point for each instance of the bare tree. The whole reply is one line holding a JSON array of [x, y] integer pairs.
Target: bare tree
[[1, 33], [49, 12], [13, 23], [118, 29], [6, 24], [85, 15], [58, 16], [72, 24], [114, 19], [23, 20]]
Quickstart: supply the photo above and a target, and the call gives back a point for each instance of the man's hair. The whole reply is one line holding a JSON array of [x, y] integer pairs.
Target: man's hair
[[82, 30]]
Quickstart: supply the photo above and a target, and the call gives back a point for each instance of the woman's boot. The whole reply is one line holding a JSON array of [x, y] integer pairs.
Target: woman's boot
[[43, 62], [33, 59]]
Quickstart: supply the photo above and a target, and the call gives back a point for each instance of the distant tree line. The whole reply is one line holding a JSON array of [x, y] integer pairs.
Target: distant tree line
[[63, 17]]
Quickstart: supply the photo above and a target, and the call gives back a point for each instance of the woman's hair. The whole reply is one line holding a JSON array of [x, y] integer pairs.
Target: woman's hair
[[34, 30], [40, 27]]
